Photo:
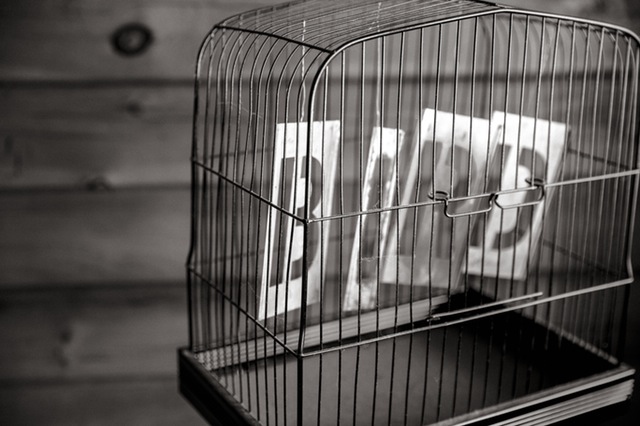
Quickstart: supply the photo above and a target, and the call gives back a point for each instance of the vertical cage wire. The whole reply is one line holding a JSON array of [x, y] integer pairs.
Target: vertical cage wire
[[405, 212]]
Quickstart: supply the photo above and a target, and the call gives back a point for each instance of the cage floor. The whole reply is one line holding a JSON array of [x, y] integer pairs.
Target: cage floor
[[423, 378]]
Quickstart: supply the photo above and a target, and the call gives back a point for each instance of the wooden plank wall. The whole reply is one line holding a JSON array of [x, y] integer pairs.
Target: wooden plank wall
[[94, 204], [94, 208]]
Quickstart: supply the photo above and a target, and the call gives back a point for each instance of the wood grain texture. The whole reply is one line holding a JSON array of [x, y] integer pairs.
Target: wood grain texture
[[72, 334], [71, 39], [122, 403], [80, 237], [73, 136], [80, 356]]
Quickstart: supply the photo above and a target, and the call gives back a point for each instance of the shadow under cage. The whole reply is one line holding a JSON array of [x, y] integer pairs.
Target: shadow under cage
[[410, 212]]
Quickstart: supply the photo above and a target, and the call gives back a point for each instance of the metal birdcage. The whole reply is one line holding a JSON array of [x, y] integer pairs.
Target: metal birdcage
[[410, 212]]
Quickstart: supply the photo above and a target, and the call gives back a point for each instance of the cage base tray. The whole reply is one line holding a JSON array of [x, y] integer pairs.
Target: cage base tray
[[504, 370]]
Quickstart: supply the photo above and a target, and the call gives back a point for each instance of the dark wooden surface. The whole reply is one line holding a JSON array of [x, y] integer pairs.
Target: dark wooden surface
[[52, 238], [94, 210], [130, 401], [70, 40], [70, 136]]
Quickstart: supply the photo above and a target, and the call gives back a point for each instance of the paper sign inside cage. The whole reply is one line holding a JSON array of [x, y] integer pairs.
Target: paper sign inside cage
[[372, 229], [281, 286], [529, 149], [449, 154]]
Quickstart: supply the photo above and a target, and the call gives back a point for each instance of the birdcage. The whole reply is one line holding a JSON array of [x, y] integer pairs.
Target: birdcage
[[410, 212]]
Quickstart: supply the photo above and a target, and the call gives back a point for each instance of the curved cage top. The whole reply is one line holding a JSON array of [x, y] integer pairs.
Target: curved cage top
[[362, 67], [328, 25]]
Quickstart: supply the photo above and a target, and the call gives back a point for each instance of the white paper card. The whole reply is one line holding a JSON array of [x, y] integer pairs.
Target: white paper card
[[511, 235], [281, 288], [448, 141], [371, 231]]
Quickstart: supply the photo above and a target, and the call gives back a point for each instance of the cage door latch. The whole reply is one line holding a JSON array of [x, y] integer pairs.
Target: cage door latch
[[464, 206], [521, 197], [483, 203]]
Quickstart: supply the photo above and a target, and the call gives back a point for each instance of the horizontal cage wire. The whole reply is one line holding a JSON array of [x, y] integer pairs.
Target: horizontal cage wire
[[412, 212]]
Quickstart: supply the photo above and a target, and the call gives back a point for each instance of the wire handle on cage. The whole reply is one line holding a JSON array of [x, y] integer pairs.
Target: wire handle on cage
[[536, 184]]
